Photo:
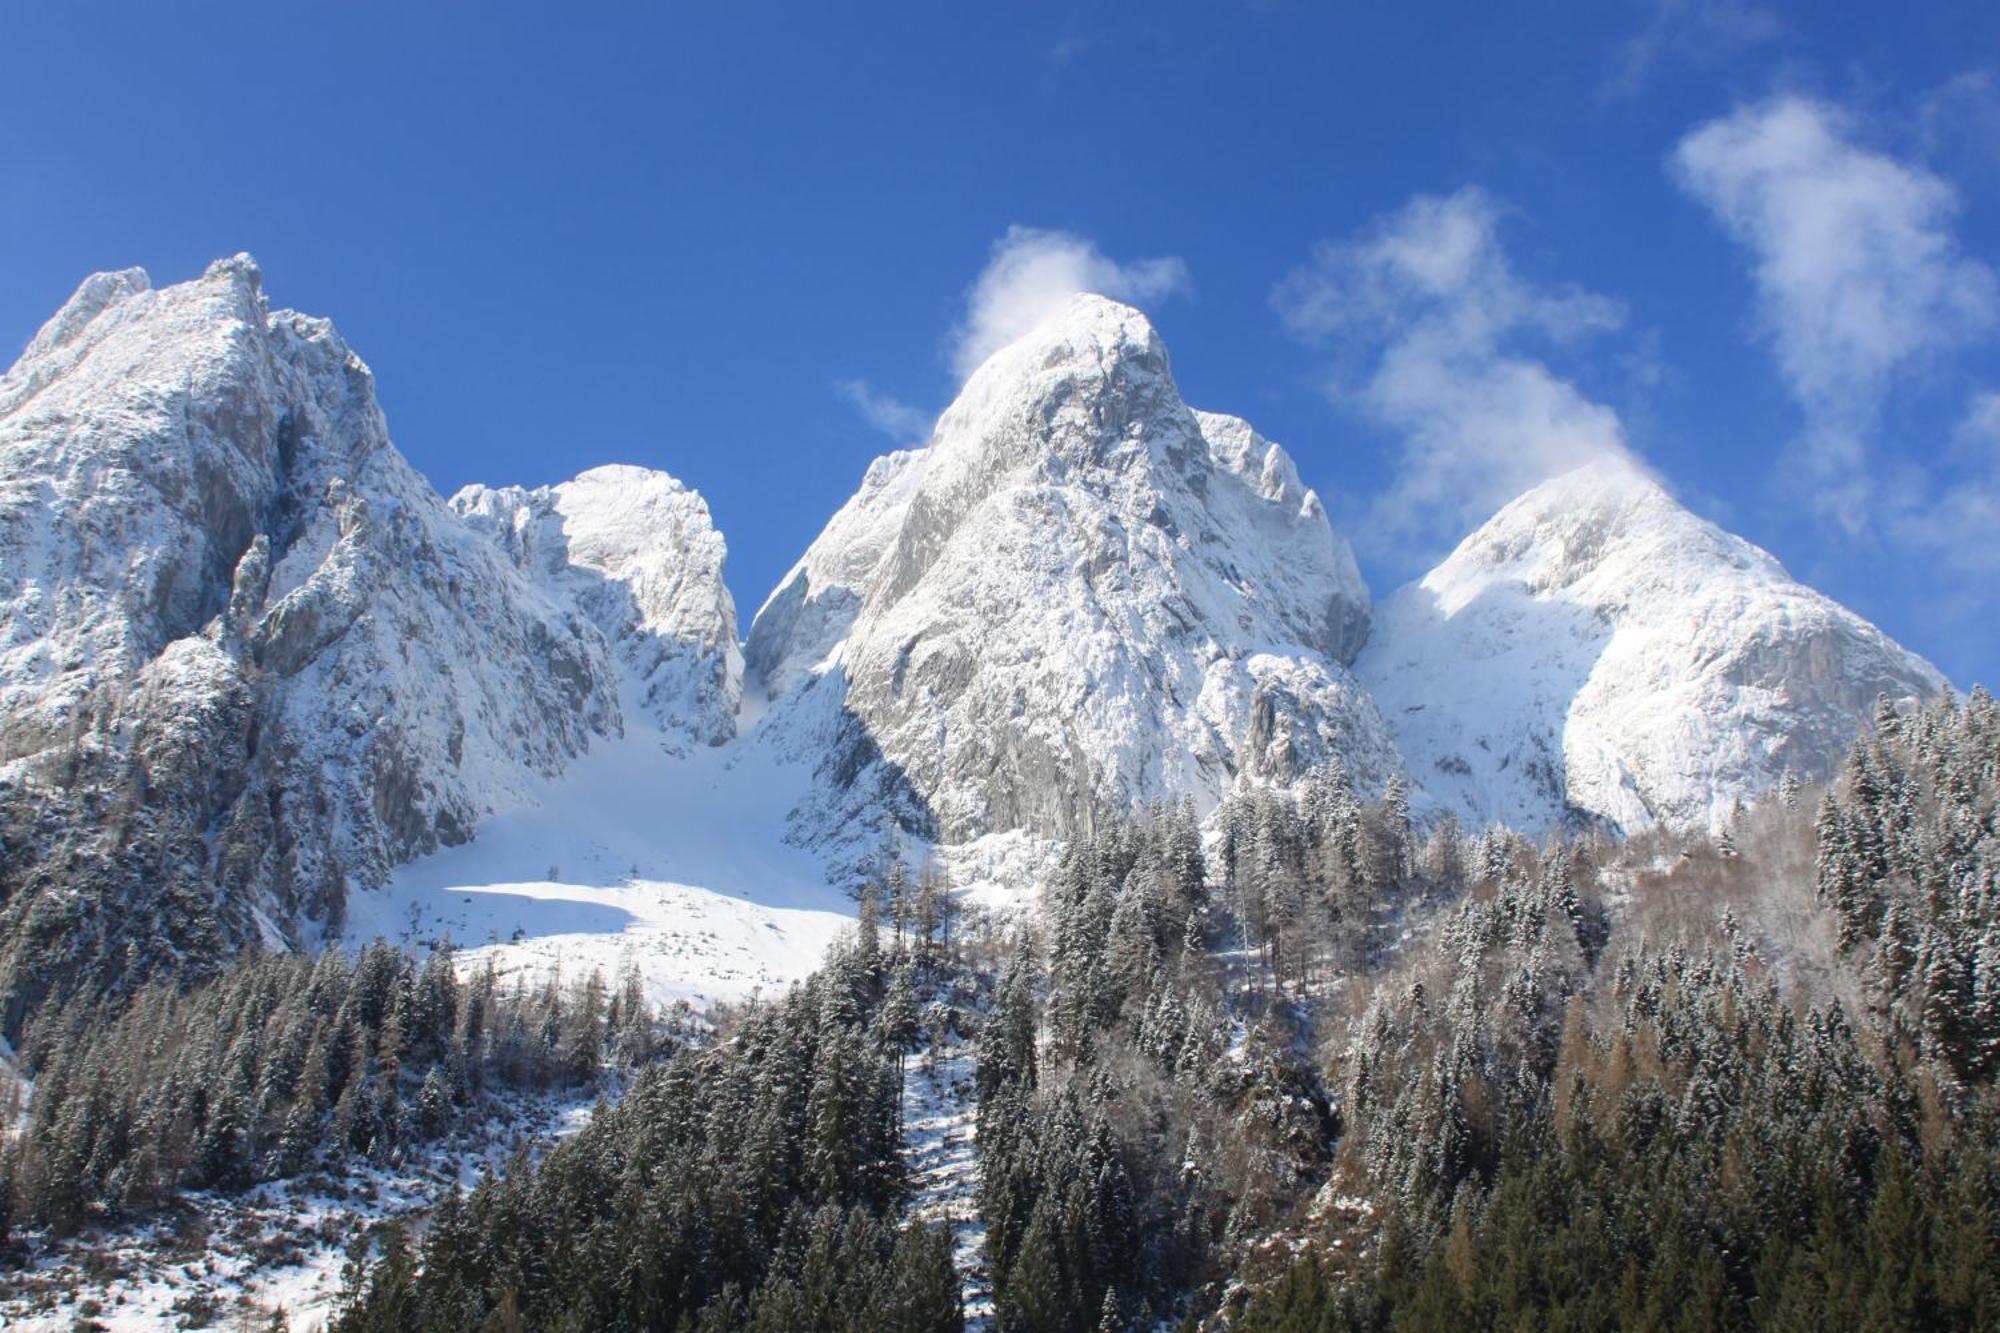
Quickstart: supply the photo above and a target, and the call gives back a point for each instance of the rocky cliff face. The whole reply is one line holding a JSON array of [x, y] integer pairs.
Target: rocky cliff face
[[1597, 652], [249, 658], [633, 552], [1080, 597]]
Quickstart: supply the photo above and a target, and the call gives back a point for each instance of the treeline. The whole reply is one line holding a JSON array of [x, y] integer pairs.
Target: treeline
[[284, 1063], [750, 1185], [1765, 1098]]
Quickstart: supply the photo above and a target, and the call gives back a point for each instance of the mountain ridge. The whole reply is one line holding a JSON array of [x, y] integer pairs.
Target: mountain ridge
[[252, 660], [1075, 600]]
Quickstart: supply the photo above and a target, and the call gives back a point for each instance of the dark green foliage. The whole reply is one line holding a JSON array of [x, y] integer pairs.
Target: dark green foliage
[[1593, 1236], [1120, 1145], [277, 1064], [747, 1186], [1675, 1131], [1477, 1083]]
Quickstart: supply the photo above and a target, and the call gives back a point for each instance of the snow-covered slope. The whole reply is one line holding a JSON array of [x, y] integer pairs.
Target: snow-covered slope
[[673, 863], [1079, 597], [1596, 649], [634, 552], [247, 655]]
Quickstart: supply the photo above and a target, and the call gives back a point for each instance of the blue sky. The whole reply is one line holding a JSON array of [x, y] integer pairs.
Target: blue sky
[[1436, 250]]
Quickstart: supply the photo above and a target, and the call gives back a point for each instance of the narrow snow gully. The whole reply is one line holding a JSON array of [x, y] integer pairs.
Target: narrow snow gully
[[941, 1150]]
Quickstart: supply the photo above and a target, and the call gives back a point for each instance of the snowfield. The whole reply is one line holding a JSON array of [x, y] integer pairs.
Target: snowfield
[[675, 864]]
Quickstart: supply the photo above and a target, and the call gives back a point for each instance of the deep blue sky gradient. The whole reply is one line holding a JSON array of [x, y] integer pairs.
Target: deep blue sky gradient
[[661, 233]]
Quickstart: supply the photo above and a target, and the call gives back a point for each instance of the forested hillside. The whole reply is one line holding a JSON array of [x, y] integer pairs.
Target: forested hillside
[[1322, 1068]]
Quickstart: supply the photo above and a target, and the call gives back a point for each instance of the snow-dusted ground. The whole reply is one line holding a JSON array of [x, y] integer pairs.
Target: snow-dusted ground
[[940, 1115], [1000, 873], [234, 1260], [676, 864]]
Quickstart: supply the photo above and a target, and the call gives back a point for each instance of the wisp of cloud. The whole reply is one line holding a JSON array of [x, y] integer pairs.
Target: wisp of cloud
[[1857, 271], [1030, 276], [1431, 330]]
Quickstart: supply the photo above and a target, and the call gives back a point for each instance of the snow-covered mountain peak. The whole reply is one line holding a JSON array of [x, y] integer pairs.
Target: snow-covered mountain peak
[[247, 656], [96, 293], [234, 617], [1607, 517], [1032, 402], [637, 554], [1597, 650], [1080, 596]]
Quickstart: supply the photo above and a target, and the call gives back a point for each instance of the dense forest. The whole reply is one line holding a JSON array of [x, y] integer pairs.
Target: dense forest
[[1326, 1066], [1762, 1097], [749, 1185], [283, 1064], [1392, 1081]]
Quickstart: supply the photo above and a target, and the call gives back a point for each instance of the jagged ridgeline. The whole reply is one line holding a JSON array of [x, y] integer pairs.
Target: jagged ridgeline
[[252, 662]]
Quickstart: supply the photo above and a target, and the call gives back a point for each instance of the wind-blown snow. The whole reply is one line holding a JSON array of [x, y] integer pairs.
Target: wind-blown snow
[[1596, 649]]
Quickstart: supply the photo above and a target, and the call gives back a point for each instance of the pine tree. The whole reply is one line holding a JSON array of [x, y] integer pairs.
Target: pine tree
[[1396, 809], [434, 1112], [867, 931]]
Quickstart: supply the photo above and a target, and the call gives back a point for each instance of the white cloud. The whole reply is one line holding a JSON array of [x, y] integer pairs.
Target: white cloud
[[885, 412], [1961, 119], [1704, 32], [1032, 273], [1433, 335], [1978, 434], [1858, 274]]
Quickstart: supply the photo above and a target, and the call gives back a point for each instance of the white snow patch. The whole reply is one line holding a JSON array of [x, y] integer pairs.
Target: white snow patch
[[677, 864], [940, 1146], [279, 1246]]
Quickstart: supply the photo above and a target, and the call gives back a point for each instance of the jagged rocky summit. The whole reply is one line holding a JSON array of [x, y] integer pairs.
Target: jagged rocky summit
[[1081, 596], [634, 553], [249, 657], [251, 661]]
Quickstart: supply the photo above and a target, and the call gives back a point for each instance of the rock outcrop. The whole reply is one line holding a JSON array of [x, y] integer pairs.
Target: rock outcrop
[[249, 658], [635, 553]]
